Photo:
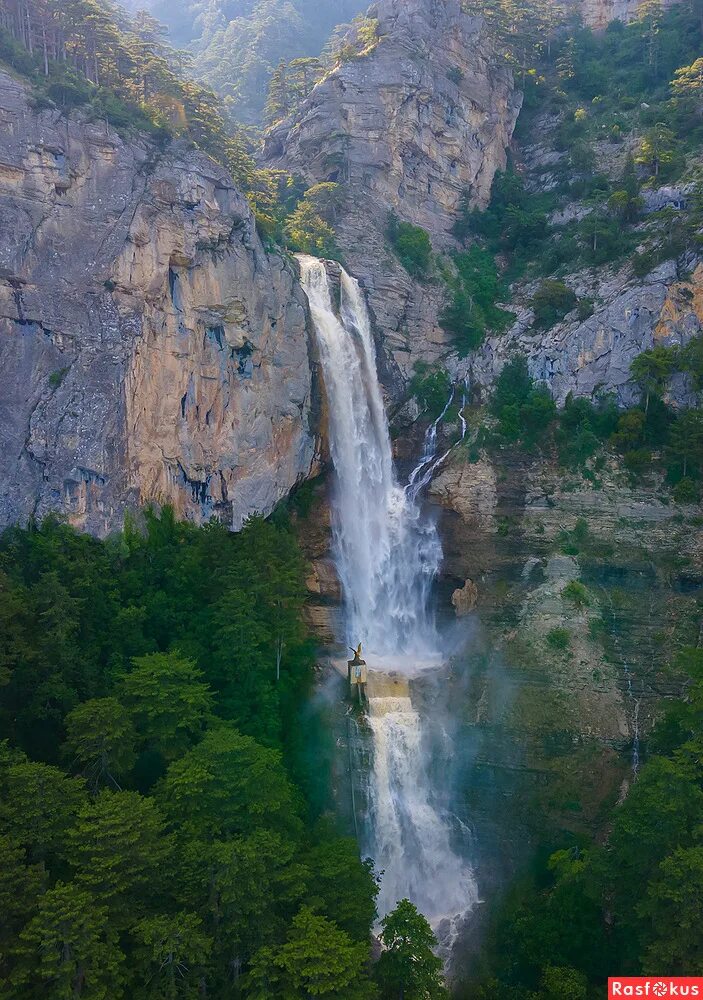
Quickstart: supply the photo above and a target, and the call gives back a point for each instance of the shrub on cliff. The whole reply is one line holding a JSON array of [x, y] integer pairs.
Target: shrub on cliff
[[475, 287], [412, 246], [524, 410], [551, 302], [307, 232], [430, 387]]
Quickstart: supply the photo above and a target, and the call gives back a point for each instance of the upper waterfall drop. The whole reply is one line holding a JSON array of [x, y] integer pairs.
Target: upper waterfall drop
[[387, 553]]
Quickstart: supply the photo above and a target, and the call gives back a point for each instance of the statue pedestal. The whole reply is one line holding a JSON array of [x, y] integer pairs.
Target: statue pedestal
[[358, 677]]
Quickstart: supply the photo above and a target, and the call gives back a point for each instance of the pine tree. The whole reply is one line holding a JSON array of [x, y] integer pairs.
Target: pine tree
[[408, 968], [69, 950], [100, 740]]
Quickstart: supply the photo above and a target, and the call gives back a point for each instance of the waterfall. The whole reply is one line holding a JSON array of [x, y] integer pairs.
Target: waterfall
[[387, 554]]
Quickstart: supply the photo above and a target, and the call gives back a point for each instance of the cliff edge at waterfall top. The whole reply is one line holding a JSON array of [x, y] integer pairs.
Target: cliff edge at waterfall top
[[351, 466]]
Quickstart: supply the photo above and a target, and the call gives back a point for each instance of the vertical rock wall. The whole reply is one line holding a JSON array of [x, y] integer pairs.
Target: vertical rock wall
[[150, 350], [413, 125]]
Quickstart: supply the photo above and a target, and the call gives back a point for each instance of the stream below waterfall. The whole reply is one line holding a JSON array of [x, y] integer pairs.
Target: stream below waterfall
[[387, 554]]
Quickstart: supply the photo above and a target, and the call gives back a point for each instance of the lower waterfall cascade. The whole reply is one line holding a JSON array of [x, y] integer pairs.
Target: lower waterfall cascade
[[387, 554]]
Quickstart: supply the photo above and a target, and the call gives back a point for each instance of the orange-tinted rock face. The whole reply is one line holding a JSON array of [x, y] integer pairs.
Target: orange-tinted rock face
[[599, 13], [682, 308], [151, 350]]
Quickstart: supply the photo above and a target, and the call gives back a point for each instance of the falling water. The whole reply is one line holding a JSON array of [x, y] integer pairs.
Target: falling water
[[387, 555]]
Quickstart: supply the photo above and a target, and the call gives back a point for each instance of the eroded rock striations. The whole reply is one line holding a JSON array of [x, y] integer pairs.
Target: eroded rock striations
[[150, 349], [412, 126], [594, 356]]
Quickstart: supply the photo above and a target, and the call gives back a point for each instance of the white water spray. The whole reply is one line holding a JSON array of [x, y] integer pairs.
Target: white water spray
[[387, 555]]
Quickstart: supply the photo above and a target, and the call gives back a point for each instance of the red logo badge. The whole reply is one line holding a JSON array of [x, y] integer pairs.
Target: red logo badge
[[654, 986]]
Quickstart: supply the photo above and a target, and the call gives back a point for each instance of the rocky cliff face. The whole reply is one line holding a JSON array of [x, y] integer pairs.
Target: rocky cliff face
[[418, 122], [630, 313], [150, 349], [585, 591], [595, 355], [598, 14]]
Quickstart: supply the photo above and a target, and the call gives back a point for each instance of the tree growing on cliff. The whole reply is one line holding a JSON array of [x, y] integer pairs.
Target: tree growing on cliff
[[688, 83], [652, 370], [412, 246], [657, 149], [308, 233], [686, 441]]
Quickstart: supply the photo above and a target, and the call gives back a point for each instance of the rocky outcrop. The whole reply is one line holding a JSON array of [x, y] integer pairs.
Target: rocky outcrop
[[150, 349], [598, 14], [464, 599], [586, 591], [630, 313], [413, 125], [595, 355]]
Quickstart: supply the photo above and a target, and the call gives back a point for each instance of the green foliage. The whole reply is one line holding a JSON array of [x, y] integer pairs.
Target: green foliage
[[583, 429], [686, 491], [345, 886], [168, 701], [408, 966], [652, 371], [633, 902], [100, 741], [673, 905], [173, 955], [57, 377], [307, 232], [551, 302], [515, 221], [475, 287], [70, 948], [563, 984], [317, 960], [412, 246], [559, 638], [657, 151], [189, 849], [430, 387], [119, 850], [686, 442], [576, 594], [229, 784], [524, 411], [361, 38], [289, 86]]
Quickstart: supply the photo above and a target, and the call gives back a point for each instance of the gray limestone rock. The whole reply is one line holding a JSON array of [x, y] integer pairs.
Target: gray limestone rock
[[150, 349], [413, 126]]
